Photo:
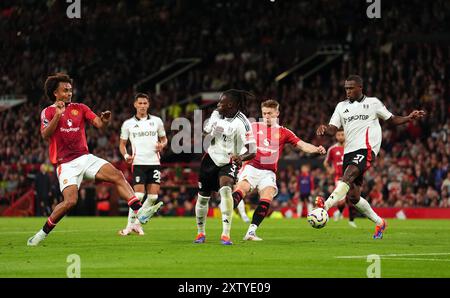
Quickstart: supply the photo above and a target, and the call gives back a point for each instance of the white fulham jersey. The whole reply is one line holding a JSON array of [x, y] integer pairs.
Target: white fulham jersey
[[237, 134], [360, 121], [143, 135]]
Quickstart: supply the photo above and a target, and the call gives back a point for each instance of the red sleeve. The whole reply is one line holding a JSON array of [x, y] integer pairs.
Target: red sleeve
[[88, 114], [46, 116], [312, 182], [290, 137]]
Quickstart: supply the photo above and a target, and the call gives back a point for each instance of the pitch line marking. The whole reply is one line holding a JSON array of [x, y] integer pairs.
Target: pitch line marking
[[416, 259], [397, 255]]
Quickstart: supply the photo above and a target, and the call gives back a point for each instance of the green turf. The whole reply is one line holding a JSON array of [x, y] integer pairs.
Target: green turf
[[290, 249]]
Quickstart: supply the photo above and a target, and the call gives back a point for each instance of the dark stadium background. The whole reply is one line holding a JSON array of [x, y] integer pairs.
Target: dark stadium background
[[119, 47]]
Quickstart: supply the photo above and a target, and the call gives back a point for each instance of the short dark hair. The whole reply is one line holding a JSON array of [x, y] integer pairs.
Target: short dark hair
[[139, 95], [356, 79], [52, 83], [270, 103]]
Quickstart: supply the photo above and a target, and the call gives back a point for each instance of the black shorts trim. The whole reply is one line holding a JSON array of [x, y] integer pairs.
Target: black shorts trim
[[210, 174], [146, 174]]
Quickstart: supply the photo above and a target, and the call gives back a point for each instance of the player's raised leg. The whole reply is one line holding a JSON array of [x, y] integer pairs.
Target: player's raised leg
[[261, 211], [70, 195], [240, 191], [350, 174], [108, 173]]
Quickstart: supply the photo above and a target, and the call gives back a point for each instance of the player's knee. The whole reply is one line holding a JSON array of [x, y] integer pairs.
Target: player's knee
[[353, 197], [117, 176], [70, 203]]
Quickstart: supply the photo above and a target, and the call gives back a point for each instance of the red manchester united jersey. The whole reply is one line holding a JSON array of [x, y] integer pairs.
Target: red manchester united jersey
[[335, 155], [270, 142], [69, 139]]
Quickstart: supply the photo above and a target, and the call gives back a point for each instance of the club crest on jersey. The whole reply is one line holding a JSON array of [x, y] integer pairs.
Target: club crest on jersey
[[138, 179], [69, 122], [74, 112]]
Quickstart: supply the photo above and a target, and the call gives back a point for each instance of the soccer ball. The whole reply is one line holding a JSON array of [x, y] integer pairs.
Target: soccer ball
[[318, 218]]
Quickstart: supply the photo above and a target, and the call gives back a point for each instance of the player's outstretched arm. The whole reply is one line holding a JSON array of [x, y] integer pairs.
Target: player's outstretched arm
[[103, 120], [310, 148], [326, 129], [399, 120]]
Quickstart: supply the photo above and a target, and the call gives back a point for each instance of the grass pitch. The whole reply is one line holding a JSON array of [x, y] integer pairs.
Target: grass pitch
[[291, 248]]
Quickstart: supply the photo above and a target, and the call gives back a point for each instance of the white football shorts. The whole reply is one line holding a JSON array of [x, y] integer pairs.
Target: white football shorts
[[73, 172], [258, 178]]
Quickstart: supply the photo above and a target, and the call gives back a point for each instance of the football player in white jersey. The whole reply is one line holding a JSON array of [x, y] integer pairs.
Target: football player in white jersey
[[231, 132], [148, 138], [359, 115]]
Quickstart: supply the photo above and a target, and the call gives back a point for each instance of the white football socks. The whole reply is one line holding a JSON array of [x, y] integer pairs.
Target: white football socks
[[364, 207], [252, 228], [338, 194], [241, 209], [201, 212], [151, 199], [226, 207]]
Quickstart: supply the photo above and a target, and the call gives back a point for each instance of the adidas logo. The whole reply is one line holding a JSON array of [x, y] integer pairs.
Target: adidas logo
[[346, 111], [136, 126], [226, 221]]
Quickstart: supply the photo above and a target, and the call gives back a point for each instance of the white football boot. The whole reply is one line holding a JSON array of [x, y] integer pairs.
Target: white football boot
[[144, 214], [137, 228], [34, 241], [252, 236]]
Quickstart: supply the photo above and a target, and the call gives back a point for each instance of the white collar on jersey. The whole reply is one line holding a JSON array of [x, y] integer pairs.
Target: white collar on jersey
[[363, 97], [148, 117], [232, 118]]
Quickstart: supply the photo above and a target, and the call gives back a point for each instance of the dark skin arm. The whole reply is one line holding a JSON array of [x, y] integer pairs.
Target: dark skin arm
[[329, 129], [250, 154], [399, 120]]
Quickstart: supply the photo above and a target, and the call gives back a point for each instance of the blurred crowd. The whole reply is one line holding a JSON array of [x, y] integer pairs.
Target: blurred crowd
[[243, 44]]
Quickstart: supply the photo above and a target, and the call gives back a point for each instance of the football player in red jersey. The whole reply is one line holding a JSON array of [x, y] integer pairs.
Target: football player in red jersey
[[259, 173], [63, 126], [335, 156]]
